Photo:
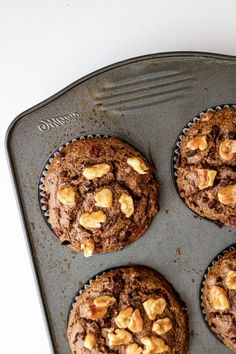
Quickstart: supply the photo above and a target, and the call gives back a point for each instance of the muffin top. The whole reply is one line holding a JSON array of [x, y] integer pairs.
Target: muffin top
[[101, 195], [219, 298], [207, 166], [129, 310]]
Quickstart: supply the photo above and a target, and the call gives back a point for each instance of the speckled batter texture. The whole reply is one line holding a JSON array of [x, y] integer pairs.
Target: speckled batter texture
[[222, 322], [117, 231], [131, 287], [217, 127]]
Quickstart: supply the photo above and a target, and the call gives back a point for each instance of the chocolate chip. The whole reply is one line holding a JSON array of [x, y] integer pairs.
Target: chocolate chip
[[66, 243], [63, 173], [212, 203], [190, 153], [215, 130], [218, 279], [232, 135], [74, 177], [205, 199], [60, 154]]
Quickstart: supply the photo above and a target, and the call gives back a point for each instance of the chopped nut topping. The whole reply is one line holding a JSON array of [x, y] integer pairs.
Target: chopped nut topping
[[136, 322], [138, 165], [154, 345], [219, 298], [103, 198], [88, 248], [96, 312], [198, 142], [90, 341], [127, 205], [227, 149], [104, 301], [66, 196], [96, 171], [133, 349], [123, 319], [154, 307], [231, 280], [227, 194], [120, 337], [162, 326], [205, 178], [92, 220]]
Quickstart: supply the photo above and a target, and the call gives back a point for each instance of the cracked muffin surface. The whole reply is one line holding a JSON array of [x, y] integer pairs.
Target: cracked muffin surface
[[101, 195], [207, 166], [219, 298], [131, 310]]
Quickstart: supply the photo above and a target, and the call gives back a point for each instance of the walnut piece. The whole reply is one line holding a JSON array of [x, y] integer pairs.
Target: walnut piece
[[219, 298], [227, 194], [133, 349], [123, 319], [96, 171], [136, 322], [120, 337], [88, 248], [198, 142], [231, 280], [154, 307], [154, 345], [104, 301], [205, 178], [95, 313], [227, 149], [90, 341], [138, 165], [162, 326], [66, 196], [103, 198], [92, 220], [127, 204], [99, 307]]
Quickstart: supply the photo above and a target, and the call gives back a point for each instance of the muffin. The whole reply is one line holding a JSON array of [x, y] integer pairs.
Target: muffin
[[206, 176], [129, 310], [219, 298], [101, 195]]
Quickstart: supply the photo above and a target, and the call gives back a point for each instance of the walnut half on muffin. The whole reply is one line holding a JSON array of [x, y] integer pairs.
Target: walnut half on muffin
[[128, 310], [207, 166], [101, 195]]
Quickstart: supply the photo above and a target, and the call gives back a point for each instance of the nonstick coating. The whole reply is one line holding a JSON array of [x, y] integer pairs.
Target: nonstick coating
[[145, 101]]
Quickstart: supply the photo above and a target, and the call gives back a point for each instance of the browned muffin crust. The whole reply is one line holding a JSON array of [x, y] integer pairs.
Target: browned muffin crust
[[219, 298], [207, 166], [141, 314], [101, 195]]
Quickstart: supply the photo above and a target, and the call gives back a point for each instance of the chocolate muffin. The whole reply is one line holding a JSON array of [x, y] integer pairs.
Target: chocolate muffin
[[101, 195], [129, 310], [219, 298], [207, 166]]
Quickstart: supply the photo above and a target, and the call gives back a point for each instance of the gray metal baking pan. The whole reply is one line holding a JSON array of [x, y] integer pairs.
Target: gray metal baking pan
[[146, 101]]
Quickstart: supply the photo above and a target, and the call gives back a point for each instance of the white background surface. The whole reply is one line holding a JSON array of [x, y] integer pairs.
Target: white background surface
[[44, 46]]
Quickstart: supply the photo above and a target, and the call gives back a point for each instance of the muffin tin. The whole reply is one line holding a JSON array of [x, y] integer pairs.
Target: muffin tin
[[145, 101]]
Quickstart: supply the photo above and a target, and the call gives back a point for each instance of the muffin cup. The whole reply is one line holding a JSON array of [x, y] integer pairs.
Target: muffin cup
[[41, 187], [176, 151], [202, 283]]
